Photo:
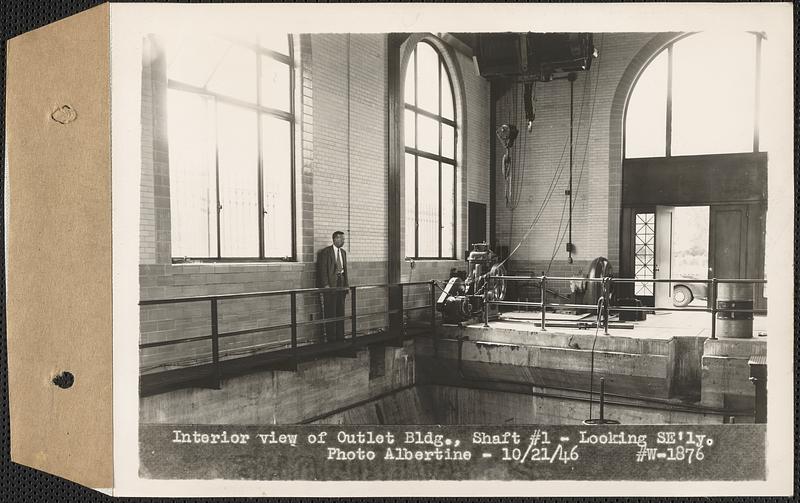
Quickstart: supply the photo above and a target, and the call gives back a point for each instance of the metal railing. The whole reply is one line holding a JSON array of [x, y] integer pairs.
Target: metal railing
[[293, 325], [396, 313], [603, 306]]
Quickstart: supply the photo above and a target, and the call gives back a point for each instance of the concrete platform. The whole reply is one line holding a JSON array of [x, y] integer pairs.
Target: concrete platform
[[661, 325]]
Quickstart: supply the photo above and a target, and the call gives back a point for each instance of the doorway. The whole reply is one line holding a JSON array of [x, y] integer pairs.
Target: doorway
[[690, 255]]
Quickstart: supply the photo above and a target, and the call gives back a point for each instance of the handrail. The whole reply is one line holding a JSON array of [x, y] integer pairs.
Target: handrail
[[294, 323], [602, 308], [607, 281]]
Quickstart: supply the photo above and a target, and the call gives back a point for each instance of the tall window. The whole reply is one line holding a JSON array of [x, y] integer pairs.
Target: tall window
[[430, 166], [699, 96], [230, 118]]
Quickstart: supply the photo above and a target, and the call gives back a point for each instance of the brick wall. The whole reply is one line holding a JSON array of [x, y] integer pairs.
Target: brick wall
[[597, 161], [324, 164]]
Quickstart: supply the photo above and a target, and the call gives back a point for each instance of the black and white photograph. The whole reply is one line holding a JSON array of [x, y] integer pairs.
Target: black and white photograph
[[497, 253]]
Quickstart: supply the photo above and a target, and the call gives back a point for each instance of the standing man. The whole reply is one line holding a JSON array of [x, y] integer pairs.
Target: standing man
[[332, 272]]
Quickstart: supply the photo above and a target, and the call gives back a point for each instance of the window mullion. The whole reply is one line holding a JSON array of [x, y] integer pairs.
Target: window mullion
[[757, 100], [416, 206], [260, 164], [216, 178], [668, 139], [416, 159], [439, 126]]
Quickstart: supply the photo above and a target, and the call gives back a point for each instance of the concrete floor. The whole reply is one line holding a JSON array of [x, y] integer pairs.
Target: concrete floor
[[661, 325]]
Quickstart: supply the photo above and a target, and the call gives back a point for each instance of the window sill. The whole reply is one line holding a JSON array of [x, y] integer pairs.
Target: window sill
[[234, 266]]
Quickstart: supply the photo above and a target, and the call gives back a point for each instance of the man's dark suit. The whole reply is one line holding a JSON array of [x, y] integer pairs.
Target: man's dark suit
[[333, 302]]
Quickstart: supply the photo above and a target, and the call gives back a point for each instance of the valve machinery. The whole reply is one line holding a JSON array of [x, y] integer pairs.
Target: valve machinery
[[466, 298]]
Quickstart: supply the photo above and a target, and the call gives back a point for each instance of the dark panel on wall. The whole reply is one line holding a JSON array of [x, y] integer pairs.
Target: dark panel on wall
[[477, 224], [702, 179]]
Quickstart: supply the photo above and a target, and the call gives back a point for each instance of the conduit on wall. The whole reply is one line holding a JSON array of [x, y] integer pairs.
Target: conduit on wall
[[348, 136]]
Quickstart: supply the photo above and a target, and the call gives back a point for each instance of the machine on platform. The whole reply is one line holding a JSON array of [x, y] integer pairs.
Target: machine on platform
[[465, 298]]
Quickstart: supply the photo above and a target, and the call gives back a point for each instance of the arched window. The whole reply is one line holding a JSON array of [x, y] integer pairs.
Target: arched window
[[430, 156], [698, 96], [230, 118]]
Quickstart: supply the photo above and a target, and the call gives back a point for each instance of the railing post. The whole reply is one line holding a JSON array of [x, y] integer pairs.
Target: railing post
[[215, 343], [486, 302], [713, 308], [293, 314], [544, 301], [433, 307], [353, 312], [606, 298]]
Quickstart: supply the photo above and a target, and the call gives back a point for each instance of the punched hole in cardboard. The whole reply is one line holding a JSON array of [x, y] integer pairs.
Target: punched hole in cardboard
[[64, 380]]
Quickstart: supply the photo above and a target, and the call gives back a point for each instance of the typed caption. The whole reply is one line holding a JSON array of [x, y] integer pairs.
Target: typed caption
[[688, 452]]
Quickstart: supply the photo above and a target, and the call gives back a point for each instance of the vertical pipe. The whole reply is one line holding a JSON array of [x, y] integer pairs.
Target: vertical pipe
[[402, 314], [713, 308], [544, 300], [215, 342], [293, 314], [352, 313], [602, 397], [572, 78], [433, 307]]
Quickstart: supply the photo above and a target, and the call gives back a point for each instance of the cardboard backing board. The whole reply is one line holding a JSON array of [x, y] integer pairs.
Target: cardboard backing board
[[58, 247]]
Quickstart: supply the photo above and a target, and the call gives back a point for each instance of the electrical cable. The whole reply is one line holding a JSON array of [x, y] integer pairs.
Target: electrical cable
[[559, 169], [586, 147], [348, 136]]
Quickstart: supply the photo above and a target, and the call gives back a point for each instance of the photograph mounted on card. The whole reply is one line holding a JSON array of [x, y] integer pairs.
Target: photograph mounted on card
[[476, 256]]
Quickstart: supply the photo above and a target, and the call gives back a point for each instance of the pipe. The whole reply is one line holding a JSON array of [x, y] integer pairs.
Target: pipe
[[572, 77]]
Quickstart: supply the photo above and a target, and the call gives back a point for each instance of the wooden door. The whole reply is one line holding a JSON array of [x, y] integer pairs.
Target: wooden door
[[728, 237]]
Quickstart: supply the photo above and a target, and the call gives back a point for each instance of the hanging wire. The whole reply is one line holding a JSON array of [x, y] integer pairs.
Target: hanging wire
[[558, 241], [545, 201], [585, 149]]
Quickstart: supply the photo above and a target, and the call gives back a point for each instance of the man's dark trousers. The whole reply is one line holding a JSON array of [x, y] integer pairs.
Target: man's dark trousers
[[334, 308]]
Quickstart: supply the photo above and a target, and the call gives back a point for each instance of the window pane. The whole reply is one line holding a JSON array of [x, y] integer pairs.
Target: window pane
[[428, 134], [448, 210], [409, 127], [410, 201], [192, 60], [713, 94], [275, 41], [409, 97], [428, 213], [193, 193], [236, 75], [644, 253], [448, 141], [275, 84], [447, 97], [428, 78], [277, 166], [238, 180], [646, 120]]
